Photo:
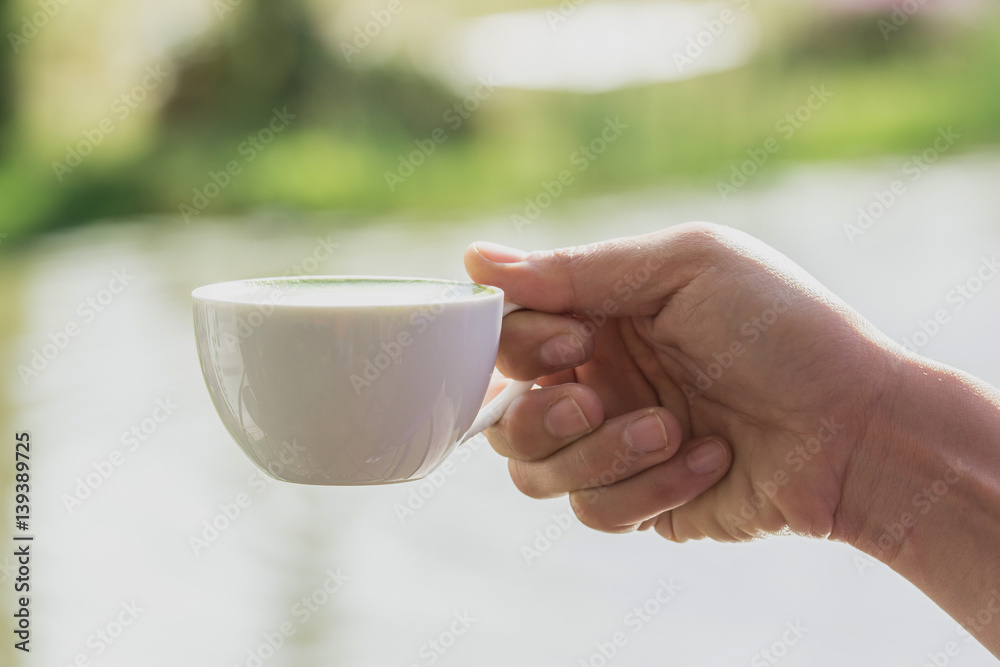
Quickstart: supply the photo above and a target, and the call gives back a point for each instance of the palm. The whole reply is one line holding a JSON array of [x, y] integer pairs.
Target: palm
[[725, 361]]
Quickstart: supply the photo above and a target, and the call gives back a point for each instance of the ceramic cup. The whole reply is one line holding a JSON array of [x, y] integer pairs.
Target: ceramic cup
[[350, 380]]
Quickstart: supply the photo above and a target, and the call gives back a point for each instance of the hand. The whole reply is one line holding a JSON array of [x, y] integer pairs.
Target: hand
[[693, 380], [696, 381]]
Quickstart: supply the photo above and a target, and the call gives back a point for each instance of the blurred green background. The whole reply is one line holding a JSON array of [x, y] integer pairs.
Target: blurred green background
[[159, 96]]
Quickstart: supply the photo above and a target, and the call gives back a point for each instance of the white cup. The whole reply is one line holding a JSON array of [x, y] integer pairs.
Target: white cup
[[350, 380]]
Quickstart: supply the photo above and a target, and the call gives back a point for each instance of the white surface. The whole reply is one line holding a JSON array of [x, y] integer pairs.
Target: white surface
[[597, 46]]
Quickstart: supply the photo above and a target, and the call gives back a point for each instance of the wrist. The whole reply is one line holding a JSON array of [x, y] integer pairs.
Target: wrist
[[929, 437], [922, 493], [903, 450]]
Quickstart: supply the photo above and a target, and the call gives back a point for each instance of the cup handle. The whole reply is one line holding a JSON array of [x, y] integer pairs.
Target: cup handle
[[494, 410]]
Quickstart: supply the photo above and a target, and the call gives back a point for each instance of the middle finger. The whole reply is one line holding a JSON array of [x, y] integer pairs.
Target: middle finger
[[621, 447]]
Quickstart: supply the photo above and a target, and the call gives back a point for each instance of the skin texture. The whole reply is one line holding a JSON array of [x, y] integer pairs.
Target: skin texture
[[696, 382]]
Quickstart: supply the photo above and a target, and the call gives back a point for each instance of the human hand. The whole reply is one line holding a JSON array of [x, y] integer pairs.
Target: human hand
[[693, 380]]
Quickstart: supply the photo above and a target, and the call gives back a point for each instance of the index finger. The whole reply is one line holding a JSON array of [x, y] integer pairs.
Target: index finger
[[535, 345]]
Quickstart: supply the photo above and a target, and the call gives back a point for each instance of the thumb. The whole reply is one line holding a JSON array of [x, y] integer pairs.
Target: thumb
[[627, 276]]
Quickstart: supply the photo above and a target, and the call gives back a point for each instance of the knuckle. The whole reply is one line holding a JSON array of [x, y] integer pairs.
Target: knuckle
[[682, 537], [503, 440], [524, 479], [589, 511], [495, 437], [664, 527], [582, 506], [570, 257], [704, 241], [572, 263], [686, 526], [772, 521], [511, 441], [521, 423], [707, 233], [664, 490], [586, 461], [519, 449]]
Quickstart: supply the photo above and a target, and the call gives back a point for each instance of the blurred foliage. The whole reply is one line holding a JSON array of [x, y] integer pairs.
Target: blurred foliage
[[6, 71], [352, 122]]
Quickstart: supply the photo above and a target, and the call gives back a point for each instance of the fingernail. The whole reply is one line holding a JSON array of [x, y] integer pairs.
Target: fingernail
[[565, 419], [563, 351], [706, 458], [500, 254], [646, 434]]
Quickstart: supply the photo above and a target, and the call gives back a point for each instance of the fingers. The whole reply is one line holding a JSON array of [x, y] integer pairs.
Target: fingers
[[628, 276], [699, 519], [534, 345], [622, 474], [542, 421], [620, 448], [626, 505]]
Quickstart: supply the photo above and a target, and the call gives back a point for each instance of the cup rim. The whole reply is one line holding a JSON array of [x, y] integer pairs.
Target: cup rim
[[235, 292]]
